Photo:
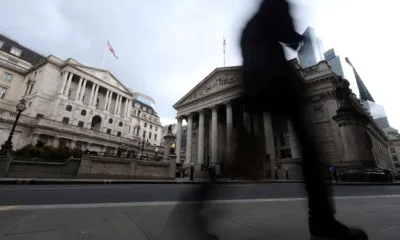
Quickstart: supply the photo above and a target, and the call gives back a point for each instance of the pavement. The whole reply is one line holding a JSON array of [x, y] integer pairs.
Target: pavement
[[261, 219], [167, 211]]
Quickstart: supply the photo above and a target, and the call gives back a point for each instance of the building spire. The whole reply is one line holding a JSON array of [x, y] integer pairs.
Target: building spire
[[365, 95]]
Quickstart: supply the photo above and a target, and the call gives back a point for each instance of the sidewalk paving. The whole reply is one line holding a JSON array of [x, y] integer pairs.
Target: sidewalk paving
[[28, 181], [272, 219]]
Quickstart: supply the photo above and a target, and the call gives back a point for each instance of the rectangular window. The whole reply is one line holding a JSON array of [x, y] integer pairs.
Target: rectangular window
[[394, 157], [156, 128], [155, 136], [30, 90], [80, 124], [3, 91], [65, 120], [15, 51], [39, 115], [144, 134], [392, 150], [151, 126], [397, 165], [149, 135], [145, 124], [108, 131], [7, 77]]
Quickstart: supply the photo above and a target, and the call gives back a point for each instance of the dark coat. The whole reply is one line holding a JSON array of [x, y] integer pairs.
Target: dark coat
[[264, 60]]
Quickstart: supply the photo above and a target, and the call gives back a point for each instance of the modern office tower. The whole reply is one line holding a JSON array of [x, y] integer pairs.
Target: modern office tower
[[312, 50], [335, 62]]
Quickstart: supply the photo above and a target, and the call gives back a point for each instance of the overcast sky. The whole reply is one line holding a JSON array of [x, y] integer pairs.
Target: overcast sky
[[165, 47]]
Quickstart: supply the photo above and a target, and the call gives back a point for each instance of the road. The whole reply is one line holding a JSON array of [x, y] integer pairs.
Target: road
[[81, 194]]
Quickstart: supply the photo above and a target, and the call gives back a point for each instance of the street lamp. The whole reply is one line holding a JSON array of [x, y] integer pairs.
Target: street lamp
[[156, 150], [173, 148], [6, 148]]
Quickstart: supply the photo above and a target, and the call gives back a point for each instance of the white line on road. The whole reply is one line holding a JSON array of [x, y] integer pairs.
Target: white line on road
[[169, 203], [58, 188]]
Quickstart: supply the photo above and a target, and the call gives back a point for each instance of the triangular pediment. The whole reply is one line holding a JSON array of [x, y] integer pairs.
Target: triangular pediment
[[104, 76], [217, 81]]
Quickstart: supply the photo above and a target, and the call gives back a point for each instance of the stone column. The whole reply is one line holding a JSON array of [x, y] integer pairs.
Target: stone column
[[68, 84], [64, 81], [200, 147], [178, 140], [128, 108], [91, 94], [189, 139], [116, 104], [214, 134], [78, 89], [246, 119], [34, 139], [229, 132], [73, 144], [56, 141], [269, 136], [294, 142], [96, 92], [29, 89], [119, 106], [107, 99], [82, 92]]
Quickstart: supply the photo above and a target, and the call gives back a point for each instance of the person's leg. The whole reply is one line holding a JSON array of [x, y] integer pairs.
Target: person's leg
[[322, 223]]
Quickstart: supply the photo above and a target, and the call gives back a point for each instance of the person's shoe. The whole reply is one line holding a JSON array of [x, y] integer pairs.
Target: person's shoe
[[336, 231]]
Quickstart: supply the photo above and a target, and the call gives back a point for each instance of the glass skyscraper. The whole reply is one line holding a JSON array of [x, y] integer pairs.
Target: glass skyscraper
[[335, 62], [311, 52]]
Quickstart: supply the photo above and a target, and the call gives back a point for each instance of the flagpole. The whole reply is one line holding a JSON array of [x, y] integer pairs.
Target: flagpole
[[224, 47], [104, 57]]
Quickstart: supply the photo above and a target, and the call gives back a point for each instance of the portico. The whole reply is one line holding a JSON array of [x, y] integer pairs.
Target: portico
[[213, 111]]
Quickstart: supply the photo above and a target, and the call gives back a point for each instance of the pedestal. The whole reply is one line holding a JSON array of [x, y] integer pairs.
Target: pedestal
[[172, 166], [169, 138], [5, 161], [356, 140]]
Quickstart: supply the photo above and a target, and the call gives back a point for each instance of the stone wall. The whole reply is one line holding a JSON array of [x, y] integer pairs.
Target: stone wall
[[113, 168], [23, 169]]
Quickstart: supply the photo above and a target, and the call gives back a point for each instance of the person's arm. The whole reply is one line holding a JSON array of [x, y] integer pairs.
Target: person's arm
[[288, 34]]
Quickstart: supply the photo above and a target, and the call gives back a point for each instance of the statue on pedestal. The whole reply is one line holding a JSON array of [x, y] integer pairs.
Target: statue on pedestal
[[343, 93]]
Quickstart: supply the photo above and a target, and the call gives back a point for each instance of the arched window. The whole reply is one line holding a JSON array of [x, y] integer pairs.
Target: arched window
[[108, 131], [68, 108], [110, 121], [119, 134], [120, 124], [83, 112]]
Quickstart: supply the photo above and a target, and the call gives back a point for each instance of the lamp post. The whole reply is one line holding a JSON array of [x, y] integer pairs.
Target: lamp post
[[142, 143], [173, 148], [6, 148], [156, 150]]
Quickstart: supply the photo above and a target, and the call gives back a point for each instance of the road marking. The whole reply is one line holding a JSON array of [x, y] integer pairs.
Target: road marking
[[169, 203], [58, 188], [5, 208], [383, 230]]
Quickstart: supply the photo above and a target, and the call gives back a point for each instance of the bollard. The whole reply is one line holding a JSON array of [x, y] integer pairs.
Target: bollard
[[276, 173], [287, 174], [191, 172]]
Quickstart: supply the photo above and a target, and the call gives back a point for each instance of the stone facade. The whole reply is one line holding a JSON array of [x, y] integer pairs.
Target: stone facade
[[70, 104], [146, 123], [212, 111]]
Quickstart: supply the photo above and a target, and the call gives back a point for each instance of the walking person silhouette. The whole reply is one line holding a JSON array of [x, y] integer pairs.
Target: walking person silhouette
[[267, 89]]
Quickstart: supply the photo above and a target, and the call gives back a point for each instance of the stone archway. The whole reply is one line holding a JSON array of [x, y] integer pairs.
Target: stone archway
[[96, 121]]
